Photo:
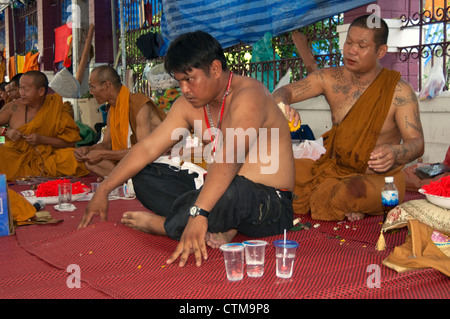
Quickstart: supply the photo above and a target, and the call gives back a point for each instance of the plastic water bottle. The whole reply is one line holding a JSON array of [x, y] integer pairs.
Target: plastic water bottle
[[389, 195], [39, 204]]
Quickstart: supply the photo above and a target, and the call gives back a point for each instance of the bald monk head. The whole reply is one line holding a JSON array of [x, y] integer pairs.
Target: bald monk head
[[33, 87], [105, 84]]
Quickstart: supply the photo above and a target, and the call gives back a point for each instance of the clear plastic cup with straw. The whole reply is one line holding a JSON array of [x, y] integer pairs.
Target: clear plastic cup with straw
[[285, 251]]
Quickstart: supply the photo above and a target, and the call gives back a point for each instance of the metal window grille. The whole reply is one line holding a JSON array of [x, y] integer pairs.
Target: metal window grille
[[140, 17], [432, 18], [323, 43]]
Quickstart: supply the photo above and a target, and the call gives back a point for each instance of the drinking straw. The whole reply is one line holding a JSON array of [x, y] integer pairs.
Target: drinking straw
[[284, 249]]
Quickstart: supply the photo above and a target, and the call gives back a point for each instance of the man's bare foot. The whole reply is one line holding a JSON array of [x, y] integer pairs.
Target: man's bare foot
[[144, 221], [355, 216], [217, 239]]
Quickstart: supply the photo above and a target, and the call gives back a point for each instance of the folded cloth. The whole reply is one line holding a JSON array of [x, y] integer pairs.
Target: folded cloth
[[21, 209], [419, 251]]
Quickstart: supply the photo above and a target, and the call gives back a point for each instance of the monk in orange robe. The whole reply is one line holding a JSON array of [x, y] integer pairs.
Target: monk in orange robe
[[131, 117], [376, 129], [41, 134]]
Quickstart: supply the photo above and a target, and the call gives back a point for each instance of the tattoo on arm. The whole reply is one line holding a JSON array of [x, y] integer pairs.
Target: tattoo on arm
[[301, 88], [408, 96], [405, 153], [283, 95], [409, 99], [413, 125]]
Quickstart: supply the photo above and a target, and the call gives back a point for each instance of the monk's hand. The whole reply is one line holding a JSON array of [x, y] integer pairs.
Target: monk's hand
[[192, 240], [80, 153], [291, 114], [13, 134], [94, 157], [382, 158], [33, 139], [98, 205]]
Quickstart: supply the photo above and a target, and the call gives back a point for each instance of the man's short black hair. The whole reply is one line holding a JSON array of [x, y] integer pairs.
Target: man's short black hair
[[370, 21], [193, 50], [16, 79], [3, 86]]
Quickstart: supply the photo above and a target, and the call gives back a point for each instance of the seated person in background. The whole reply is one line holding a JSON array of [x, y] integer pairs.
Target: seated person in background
[[10, 91], [41, 133], [12, 88], [246, 189], [4, 97], [414, 182], [131, 117], [376, 130]]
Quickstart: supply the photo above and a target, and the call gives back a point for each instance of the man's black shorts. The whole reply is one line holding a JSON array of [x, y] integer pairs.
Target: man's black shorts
[[255, 210]]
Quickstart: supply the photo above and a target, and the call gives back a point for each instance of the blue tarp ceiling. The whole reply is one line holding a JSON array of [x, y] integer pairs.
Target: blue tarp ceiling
[[233, 21]]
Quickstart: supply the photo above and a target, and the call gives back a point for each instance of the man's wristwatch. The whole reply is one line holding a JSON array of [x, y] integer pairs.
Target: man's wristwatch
[[194, 211]]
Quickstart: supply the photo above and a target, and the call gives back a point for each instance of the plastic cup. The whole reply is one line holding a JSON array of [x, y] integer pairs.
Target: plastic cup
[[285, 255], [233, 254], [64, 196], [254, 257]]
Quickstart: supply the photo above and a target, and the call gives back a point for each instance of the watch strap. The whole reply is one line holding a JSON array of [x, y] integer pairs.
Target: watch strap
[[203, 212], [195, 211]]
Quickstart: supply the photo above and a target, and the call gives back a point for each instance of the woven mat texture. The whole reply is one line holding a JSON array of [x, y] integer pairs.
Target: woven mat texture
[[118, 262]]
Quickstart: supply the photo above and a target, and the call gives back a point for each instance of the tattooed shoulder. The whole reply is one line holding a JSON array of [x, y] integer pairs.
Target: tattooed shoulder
[[336, 73], [404, 94]]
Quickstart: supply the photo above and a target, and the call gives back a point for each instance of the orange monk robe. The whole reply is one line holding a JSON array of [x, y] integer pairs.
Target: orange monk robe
[[336, 184], [31, 62], [123, 117], [18, 159], [2, 70], [21, 208], [419, 251]]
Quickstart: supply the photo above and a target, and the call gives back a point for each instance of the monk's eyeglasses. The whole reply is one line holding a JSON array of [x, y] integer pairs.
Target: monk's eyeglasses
[[91, 88]]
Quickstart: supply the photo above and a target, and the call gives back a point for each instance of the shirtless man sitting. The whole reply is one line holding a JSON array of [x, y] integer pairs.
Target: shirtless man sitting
[[131, 117], [376, 129], [250, 173]]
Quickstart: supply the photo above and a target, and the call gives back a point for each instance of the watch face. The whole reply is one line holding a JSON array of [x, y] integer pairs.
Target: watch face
[[193, 211]]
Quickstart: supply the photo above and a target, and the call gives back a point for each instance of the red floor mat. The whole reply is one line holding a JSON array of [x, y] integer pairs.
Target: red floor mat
[[25, 276], [333, 261]]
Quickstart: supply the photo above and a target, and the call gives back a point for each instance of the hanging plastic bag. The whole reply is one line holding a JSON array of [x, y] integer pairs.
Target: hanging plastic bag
[[309, 149], [263, 51], [158, 78], [434, 84], [165, 89], [65, 84]]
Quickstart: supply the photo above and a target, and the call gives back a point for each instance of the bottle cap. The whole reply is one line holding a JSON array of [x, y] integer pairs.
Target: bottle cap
[[389, 179]]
